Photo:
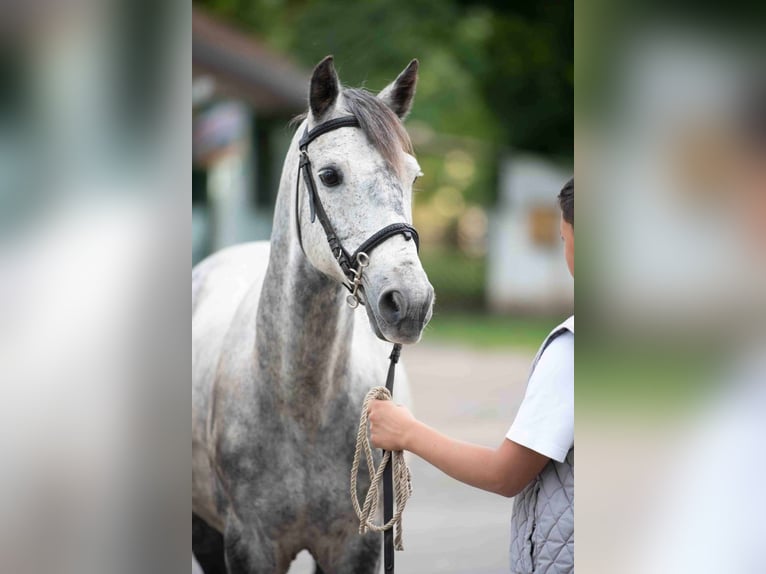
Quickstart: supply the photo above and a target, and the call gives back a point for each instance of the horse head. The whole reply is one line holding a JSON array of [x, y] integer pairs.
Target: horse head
[[362, 177]]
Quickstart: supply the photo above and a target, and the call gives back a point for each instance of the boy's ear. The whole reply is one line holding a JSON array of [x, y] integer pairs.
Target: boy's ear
[[400, 93], [324, 89]]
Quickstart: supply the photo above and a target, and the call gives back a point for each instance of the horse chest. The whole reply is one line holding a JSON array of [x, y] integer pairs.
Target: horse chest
[[302, 459], [297, 489]]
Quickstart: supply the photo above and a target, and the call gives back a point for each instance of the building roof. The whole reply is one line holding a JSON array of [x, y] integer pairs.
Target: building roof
[[243, 67]]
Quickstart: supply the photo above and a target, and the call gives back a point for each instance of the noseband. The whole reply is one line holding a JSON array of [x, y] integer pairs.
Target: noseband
[[352, 265]]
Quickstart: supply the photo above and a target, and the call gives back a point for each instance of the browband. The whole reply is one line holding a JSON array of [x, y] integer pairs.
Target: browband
[[328, 126]]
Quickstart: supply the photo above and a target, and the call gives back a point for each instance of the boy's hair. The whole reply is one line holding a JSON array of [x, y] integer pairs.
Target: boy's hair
[[566, 201]]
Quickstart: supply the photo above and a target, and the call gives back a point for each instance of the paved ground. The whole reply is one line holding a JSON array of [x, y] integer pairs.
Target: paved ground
[[450, 528]]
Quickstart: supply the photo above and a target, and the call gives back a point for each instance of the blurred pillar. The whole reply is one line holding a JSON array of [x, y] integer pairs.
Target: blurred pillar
[[223, 138]]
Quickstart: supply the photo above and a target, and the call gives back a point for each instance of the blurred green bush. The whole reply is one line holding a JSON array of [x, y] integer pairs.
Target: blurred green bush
[[457, 278]]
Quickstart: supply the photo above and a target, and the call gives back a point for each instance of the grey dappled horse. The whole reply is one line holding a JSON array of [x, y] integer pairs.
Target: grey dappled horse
[[280, 362]]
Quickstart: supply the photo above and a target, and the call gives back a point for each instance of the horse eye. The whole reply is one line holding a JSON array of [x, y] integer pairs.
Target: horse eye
[[330, 177]]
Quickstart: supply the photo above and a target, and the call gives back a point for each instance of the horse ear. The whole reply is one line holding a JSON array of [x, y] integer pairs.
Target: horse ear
[[325, 88], [400, 93]]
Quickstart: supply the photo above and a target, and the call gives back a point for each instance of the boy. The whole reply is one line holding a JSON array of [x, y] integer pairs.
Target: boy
[[534, 463]]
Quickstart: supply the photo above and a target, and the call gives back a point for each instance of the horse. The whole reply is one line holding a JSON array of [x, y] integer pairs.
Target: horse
[[282, 356]]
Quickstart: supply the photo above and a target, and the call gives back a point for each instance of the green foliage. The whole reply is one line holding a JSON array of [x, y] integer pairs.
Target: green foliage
[[489, 331], [643, 376], [457, 279], [531, 84], [494, 75], [497, 71]]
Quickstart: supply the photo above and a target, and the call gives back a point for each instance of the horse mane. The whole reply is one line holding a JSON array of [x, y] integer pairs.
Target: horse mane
[[381, 126]]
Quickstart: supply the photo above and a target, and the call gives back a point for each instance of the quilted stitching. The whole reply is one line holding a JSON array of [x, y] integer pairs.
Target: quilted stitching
[[542, 525], [542, 530]]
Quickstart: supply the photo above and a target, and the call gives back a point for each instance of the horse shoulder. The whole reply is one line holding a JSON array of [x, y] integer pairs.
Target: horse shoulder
[[224, 286]]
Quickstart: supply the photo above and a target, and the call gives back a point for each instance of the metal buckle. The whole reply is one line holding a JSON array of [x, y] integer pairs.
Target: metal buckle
[[362, 261]]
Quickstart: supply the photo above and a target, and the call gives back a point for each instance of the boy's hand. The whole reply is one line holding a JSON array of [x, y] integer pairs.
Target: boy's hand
[[390, 425]]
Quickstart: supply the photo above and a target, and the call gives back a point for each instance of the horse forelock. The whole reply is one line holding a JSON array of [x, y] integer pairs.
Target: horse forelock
[[382, 127]]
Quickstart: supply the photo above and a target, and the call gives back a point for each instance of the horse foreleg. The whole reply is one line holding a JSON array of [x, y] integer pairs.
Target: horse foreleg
[[357, 555], [207, 547], [248, 552]]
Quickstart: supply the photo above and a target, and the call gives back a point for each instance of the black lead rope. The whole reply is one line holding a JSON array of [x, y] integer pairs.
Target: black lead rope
[[388, 474]]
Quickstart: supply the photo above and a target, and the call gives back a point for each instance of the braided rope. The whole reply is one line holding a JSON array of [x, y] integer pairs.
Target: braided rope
[[401, 472]]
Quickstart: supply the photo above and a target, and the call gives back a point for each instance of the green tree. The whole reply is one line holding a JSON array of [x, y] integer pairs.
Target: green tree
[[498, 71]]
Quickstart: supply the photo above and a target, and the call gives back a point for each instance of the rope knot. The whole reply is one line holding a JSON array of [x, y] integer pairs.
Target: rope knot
[[401, 472]]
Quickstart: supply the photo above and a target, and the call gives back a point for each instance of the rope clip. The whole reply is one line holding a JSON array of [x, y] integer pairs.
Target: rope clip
[[362, 261]]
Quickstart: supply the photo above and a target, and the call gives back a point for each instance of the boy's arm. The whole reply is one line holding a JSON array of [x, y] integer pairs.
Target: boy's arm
[[505, 470]]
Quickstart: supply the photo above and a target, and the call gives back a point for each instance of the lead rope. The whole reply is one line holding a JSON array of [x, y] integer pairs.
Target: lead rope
[[393, 465]]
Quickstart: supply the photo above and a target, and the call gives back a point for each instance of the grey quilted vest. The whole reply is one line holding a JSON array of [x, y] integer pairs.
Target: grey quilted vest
[[542, 524]]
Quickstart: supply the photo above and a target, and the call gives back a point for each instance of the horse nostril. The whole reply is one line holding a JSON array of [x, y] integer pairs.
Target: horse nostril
[[392, 306]]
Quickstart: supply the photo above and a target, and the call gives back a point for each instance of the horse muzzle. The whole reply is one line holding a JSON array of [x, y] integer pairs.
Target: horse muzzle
[[399, 313]]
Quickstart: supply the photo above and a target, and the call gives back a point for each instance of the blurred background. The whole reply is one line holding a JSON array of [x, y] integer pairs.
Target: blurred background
[[671, 375], [492, 127], [95, 141], [95, 146]]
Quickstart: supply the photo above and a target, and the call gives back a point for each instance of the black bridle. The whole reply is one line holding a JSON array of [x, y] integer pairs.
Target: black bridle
[[351, 264]]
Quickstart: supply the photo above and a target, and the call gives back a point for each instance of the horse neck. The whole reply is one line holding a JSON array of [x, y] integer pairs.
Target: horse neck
[[304, 327]]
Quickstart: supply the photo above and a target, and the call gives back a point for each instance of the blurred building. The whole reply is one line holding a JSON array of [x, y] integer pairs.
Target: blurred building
[[526, 270], [243, 94]]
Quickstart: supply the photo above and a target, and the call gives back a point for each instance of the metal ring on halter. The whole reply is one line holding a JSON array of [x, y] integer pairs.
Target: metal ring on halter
[[352, 298], [362, 261]]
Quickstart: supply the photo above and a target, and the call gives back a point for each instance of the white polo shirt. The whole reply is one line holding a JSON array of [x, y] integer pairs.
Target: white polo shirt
[[545, 420]]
